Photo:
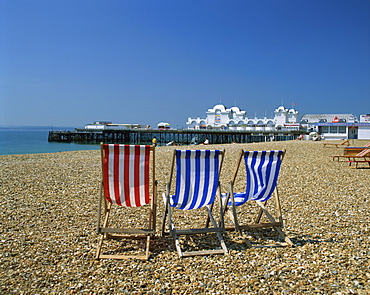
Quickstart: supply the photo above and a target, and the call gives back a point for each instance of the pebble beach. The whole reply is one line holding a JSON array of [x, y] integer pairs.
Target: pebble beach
[[48, 237]]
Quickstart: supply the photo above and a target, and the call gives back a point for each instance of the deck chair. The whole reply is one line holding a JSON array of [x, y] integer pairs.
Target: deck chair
[[262, 171], [196, 187], [363, 157], [346, 142], [128, 180], [363, 152]]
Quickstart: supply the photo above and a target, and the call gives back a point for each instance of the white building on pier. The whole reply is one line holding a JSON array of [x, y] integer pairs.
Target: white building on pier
[[220, 117]]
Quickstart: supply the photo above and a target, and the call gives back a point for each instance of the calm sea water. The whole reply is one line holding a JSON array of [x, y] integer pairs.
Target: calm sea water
[[33, 141]]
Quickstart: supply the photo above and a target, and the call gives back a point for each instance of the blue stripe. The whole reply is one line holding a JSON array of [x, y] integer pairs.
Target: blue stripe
[[248, 176], [267, 193], [187, 179], [275, 176], [216, 176], [197, 177], [252, 175], [259, 176], [206, 178], [264, 178], [193, 177], [254, 171], [175, 198]]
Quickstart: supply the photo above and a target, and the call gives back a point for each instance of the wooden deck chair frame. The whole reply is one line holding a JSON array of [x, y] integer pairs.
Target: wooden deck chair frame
[[275, 222], [360, 151], [346, 142], [175, 233], [105, 207], [359, 159], [364, 153]]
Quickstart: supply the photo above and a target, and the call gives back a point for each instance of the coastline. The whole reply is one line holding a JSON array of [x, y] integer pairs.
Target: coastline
[[34, 141], [48, 216]]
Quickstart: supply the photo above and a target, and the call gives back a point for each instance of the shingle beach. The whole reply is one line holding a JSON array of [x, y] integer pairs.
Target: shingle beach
[[48, 237]]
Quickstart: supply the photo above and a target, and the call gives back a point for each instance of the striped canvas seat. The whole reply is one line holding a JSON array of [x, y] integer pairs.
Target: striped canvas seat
[[197, 174], [196, 187], [262, 170], [126, 174], [128, 180]]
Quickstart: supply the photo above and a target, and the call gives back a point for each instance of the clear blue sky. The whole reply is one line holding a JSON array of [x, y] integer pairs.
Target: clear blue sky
[[72, 62]]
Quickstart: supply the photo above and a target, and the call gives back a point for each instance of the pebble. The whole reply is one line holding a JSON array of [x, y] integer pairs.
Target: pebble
[[48, 212]]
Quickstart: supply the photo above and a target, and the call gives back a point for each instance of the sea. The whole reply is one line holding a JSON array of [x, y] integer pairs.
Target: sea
[[34, 140]]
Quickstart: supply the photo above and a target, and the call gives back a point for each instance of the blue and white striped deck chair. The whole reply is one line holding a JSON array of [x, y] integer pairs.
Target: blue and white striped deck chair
[[197, 186], [262, 172]]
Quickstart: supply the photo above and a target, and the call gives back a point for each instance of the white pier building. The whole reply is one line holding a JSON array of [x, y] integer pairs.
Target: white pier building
[[220, 117]]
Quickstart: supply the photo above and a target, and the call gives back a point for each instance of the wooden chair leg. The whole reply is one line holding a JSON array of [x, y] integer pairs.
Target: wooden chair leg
[[100, 244], [177, 244], [272, 220], [259, 214], [147, 247], [165, 215], [220, 238]]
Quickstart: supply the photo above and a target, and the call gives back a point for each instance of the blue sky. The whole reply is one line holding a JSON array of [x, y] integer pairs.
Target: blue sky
[[73, 62]]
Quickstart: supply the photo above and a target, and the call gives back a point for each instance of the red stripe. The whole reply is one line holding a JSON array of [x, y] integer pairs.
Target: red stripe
[[112, 180], [146, 174], [137, 175], [126, 181], [105, 173], [116, 176]]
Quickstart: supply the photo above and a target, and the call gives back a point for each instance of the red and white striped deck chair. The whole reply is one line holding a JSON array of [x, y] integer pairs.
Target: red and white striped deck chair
[[262, 170], [128, 182]]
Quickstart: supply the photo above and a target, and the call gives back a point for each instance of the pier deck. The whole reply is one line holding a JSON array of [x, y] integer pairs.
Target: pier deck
[[179, 137]]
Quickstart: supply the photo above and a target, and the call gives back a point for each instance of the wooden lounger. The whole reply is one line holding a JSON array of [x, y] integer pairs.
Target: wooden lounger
[[357, 160], [337, 144]]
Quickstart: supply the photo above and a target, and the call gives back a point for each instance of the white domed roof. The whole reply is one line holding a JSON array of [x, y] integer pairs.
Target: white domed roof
[[163, 124], [281, 109], [236, 110], [219, 107]]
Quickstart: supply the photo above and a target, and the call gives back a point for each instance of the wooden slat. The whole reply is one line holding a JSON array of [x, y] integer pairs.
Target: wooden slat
[[277, 244], [260, 225], [127, 230], [254, 225], [121, 237], [121, 257], [198, 231], [203, 252]]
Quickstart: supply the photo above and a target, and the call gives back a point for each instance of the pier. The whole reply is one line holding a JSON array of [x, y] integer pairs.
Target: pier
[[178, 137]]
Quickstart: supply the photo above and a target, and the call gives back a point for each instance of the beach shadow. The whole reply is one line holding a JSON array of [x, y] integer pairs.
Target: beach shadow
[[301, 240], [254, 238], [135, 247], [160, 244], [269, 238]]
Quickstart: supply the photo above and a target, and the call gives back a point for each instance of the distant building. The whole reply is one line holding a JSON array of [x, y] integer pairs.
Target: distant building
[[220, 117], [163, 126], [364, 127], [99, 125], [338, 126], [106, 125], [329, 126]]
